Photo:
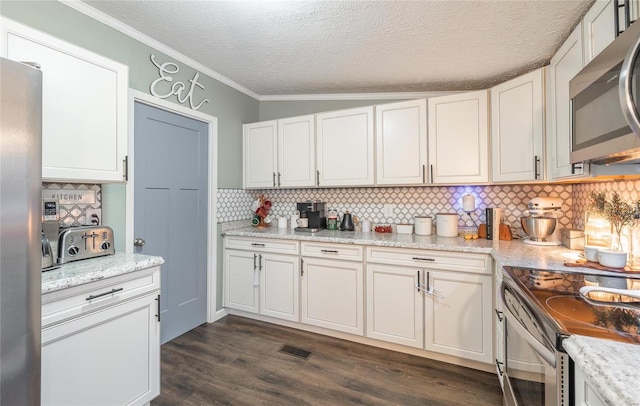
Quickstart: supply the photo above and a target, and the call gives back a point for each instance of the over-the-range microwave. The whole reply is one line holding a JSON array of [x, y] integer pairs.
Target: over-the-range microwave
[[605, 97]]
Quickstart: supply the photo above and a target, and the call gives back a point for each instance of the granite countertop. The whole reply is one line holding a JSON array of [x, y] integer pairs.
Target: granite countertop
[[514, 253], [90, 270], [612, 368]]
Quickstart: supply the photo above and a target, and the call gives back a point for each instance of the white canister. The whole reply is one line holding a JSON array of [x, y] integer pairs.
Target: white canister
[[282, 222], [366, 226], [423, 225], [294, 220], [447, 224]]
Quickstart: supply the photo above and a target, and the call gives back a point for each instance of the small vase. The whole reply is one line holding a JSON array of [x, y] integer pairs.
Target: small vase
[[620, 239]]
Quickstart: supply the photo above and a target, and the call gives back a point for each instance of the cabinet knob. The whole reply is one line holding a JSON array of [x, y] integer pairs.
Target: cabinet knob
[[139, 242]]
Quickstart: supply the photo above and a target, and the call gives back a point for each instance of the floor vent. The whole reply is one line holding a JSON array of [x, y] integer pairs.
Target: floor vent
[[287, 349]]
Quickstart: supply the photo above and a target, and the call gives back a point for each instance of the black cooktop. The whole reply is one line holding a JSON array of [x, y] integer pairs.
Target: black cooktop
[[606, 308]]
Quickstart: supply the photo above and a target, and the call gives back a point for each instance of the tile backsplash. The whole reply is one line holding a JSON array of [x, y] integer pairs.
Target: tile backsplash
[[74, 215], [408, 202], [629, 190]]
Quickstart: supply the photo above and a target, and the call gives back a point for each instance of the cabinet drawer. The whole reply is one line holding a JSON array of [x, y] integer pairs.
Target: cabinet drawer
[[452, 261], [64, 304], [335, 251], [262, 245]]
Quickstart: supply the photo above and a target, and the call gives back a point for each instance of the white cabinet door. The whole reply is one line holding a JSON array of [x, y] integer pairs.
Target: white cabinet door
[[565, 64], [345, 147], [598, 28], [332, 295], [241, 280], [108, 357], [279, 286], [458, 138], [296, 152], [458, 315], [517, 129], [260, 154], [585, 392], [395, 310], [84, 106], [401, 143]]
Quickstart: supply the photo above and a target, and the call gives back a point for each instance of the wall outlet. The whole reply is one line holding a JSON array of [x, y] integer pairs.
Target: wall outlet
[[93, 217], [388, 210]]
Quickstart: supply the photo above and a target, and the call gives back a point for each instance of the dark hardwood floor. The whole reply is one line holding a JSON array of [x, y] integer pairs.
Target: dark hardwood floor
[[236, 361]]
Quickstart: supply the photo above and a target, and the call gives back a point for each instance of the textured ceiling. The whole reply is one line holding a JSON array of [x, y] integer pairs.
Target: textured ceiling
[[326, 47]]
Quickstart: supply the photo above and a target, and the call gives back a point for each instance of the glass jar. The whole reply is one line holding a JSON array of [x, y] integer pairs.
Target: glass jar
[[332, 220], [597, 229], [634, 237]]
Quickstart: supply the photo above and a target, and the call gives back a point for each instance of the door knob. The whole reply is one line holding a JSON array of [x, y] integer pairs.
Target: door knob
[[138, 242]]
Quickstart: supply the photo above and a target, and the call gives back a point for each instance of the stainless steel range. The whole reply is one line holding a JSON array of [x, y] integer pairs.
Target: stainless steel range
[[545, 307]]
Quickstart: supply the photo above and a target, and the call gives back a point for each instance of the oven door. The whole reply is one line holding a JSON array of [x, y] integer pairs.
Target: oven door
[[530, 366]]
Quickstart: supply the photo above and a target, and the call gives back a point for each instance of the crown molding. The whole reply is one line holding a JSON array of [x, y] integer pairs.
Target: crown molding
[[137, 35], [355, 96]]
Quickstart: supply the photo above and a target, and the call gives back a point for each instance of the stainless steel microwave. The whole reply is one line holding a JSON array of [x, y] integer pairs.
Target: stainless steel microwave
[[605, 98]]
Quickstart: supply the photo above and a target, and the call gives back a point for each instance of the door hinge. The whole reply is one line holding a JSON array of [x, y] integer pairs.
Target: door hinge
[[125, 168]]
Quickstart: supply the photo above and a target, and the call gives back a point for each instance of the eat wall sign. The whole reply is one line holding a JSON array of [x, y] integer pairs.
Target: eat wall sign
[[170, 88]]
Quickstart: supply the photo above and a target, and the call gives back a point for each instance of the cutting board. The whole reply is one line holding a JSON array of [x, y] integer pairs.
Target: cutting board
[[583, 263]]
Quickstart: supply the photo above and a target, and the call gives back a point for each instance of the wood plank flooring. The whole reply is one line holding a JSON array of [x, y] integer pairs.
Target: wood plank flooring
[[235, 361]]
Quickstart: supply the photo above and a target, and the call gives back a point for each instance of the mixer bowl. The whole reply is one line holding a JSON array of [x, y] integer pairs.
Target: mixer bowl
[[538, 228]]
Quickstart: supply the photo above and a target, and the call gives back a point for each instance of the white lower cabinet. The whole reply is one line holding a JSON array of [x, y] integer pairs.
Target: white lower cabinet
[[395, 306], [584, 392], [333, 294], [458, 315], [109, 356], [262, 283]]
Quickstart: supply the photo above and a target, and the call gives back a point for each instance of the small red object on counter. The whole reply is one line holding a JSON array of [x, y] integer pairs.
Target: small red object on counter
[[383, 229]]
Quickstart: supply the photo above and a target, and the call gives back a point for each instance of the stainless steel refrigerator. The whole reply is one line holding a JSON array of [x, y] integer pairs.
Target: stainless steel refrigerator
[[20, 231]]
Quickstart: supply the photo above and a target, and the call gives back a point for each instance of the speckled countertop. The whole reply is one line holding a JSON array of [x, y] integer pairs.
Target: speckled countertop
[[514, 253], [90, 270], [612, 368]]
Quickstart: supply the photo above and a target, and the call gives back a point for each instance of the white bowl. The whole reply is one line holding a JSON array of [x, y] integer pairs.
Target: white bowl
[[612, 259], [591, 252], [404, 228]]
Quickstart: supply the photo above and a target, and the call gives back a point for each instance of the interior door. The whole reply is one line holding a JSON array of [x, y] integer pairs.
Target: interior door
[[170, 211]]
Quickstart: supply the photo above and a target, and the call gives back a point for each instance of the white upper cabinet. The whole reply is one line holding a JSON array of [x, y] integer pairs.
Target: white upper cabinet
[[260, 142], [345, 147], [598, 28], [565, 64], [280, 153], [296, 151], [517, 129], [84, 106], [458, 138], [401, 143]]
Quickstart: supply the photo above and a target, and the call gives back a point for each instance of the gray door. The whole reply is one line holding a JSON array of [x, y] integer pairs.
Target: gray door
[[170, 209]]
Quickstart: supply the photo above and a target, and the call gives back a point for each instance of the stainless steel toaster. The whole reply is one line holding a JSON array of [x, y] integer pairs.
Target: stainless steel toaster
[[76, 243]]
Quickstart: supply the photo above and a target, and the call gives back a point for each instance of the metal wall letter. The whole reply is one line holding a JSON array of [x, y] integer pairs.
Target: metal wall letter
[[166, 70]]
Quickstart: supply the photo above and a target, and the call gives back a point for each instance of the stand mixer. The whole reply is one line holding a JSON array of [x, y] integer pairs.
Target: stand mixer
[[542, 223]]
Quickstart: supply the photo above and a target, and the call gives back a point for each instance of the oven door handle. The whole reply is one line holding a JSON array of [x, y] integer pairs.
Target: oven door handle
[[539, 348]]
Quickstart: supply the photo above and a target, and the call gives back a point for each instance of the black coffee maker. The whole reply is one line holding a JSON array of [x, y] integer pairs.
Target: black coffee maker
[[315, 212]]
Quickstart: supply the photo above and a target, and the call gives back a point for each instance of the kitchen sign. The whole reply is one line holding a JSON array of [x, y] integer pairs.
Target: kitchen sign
[[69, 197], [177, 88]]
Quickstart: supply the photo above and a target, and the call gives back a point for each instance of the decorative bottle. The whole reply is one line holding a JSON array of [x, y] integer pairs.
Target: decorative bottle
[[634, 237]]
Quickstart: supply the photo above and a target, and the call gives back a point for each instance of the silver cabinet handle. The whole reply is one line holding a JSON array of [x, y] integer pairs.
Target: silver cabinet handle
[[500, 315], [329, 251], [424, 173], [158, 315], [254, 261], [536, 162], [259, 262], [418, 285], [499, 366], [279, 179], [317, 178], [274, 179], [423, 259], [139, 242], [112, 291], [431, 170], [257, 244]]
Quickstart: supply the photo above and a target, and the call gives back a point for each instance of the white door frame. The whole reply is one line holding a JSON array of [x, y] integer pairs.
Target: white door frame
[[212, 237]]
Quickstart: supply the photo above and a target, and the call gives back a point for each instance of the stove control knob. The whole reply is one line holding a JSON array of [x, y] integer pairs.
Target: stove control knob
[[73, 250], [105, 245]]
